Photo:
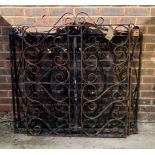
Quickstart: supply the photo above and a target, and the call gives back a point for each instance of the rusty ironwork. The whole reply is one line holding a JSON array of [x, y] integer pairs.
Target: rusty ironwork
[[80, 78]]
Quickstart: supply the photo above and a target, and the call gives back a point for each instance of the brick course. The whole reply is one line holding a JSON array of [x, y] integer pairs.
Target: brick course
[[140, 15]]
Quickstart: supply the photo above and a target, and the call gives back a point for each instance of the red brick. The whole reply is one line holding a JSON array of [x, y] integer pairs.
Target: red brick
[[1, 47], [4, 56], [147, 72], [53, 21], [5, 93], [5, 64], [5, 86], [106, 20], [12, 11], [41, 22], [148, 55], [143, 29], [5, 79], [144, 102], [5, 108], [48, 22], [148, 94], [148, 64], [4, 100], [111, 11], [146, 108], [89, 11], [36, 11], [149, 39], [60, 11], [5, 30], [151, 30], [2, 79], [152, 11], [23, 21], [146, 116], [145, 21], [137, 11], [5, 47], [149, 79], [143, 72], [1, 38], [150, 47], [5, 39], [149, 87], [122, 20]]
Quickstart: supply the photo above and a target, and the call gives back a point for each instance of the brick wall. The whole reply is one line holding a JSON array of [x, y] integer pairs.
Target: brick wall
[[143, 16]]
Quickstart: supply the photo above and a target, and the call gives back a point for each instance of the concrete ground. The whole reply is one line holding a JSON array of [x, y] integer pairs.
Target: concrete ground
[[145, 139]]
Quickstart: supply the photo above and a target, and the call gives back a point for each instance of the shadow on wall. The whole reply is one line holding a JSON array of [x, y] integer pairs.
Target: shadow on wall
[[5, 77]]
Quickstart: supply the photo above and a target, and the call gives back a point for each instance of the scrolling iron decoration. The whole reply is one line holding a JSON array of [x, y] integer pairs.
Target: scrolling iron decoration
[[77, 78]]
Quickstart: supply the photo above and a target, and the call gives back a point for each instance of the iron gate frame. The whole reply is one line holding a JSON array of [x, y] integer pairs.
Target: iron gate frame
[[134, 42]]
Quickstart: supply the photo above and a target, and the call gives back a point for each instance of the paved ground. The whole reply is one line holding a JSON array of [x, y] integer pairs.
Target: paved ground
[[145, 139]]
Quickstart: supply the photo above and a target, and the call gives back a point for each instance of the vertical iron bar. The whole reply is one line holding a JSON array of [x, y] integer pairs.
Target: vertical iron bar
[[138, 83], [75, 80], [69, 67], [12, 78], [129, 84], [81, 74]]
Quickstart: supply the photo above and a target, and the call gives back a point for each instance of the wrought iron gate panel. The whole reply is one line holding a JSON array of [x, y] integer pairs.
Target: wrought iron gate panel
[[76, 79]]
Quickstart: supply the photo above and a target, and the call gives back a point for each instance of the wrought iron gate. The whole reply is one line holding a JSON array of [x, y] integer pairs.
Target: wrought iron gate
[[76, 79]]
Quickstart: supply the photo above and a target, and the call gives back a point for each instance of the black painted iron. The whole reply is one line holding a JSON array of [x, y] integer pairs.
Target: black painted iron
[[76, 78]]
